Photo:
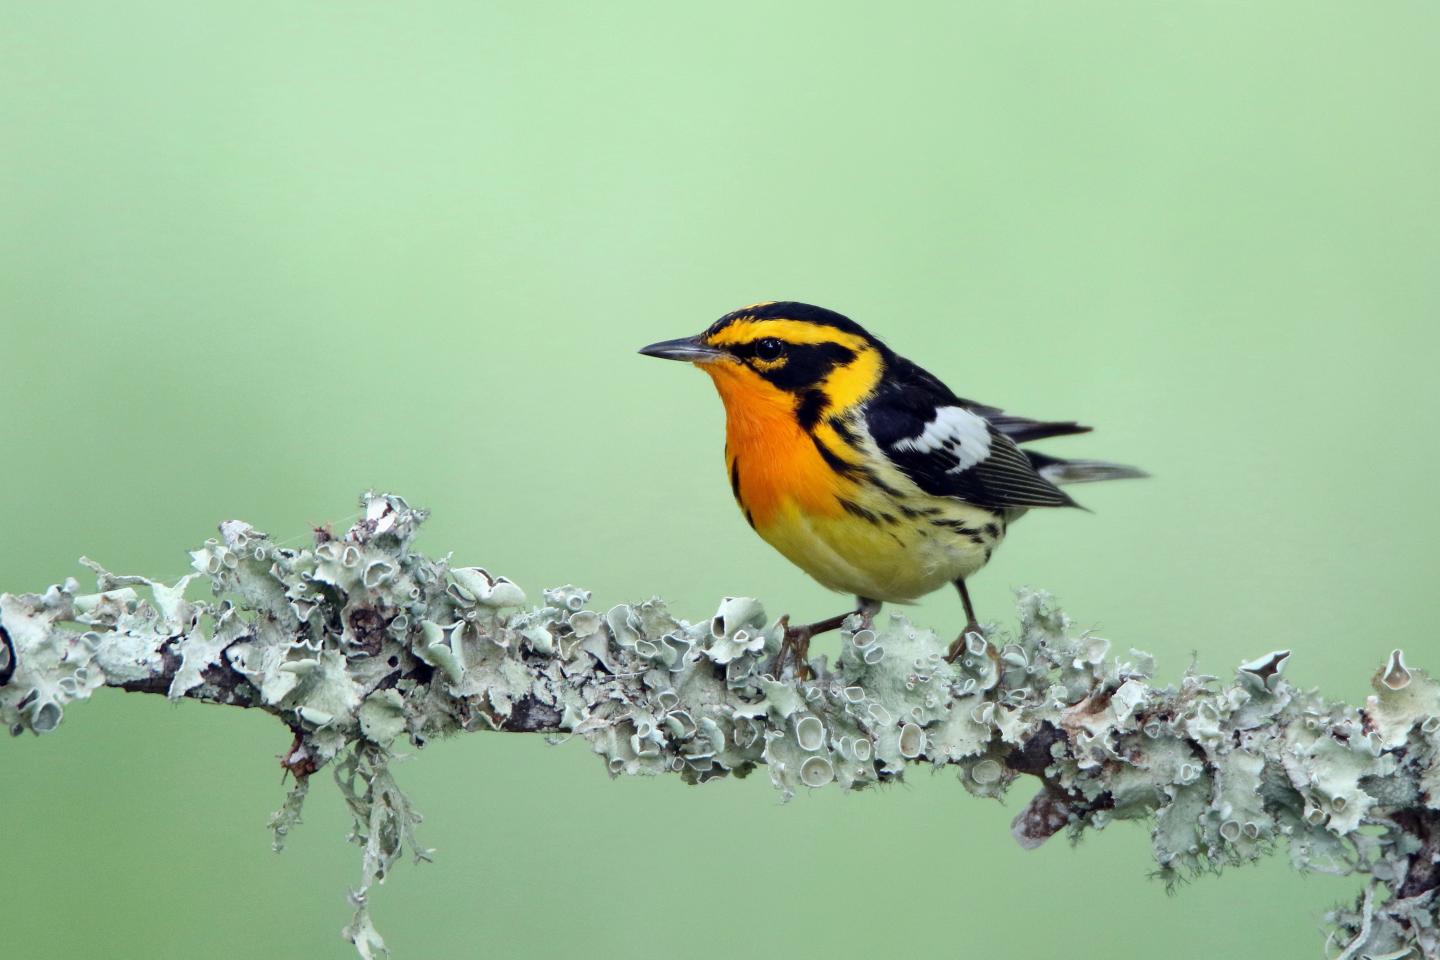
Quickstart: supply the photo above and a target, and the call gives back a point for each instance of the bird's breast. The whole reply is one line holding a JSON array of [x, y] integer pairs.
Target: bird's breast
[[840, 511]]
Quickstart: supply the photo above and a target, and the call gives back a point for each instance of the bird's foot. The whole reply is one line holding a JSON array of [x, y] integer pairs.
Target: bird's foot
[[795, 647], [961, 642], [796, 644]]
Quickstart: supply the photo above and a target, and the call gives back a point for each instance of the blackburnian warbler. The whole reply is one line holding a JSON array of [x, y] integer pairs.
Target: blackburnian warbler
[[863, 469]]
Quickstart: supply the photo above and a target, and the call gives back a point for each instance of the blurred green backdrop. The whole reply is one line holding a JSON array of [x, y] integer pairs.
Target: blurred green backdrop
[[257, 257]]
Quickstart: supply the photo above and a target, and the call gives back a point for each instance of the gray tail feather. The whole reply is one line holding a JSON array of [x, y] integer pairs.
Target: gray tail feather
[[1060, 471]]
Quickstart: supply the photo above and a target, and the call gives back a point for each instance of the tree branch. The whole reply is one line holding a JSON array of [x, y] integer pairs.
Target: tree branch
[[359, 642]]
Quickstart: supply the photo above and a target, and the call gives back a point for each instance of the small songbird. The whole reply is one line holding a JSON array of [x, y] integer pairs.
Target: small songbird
[[864, 470]]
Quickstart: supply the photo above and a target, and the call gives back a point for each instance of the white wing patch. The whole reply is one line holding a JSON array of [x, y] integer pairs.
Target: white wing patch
[[964, 434]]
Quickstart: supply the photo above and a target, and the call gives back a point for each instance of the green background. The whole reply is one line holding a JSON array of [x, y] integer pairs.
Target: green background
[[257, 257]]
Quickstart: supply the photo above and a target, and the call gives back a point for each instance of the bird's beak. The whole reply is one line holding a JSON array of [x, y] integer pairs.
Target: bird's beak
[[689, 349]]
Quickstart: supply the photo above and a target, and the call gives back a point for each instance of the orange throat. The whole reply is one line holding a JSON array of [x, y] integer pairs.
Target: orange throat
[[772, 461]]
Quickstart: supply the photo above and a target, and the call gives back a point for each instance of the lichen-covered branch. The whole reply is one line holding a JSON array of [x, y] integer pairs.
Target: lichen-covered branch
[[359, 642]]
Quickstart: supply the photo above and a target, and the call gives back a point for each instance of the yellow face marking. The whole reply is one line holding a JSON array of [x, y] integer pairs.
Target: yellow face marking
[[847, 385], [844, 386]]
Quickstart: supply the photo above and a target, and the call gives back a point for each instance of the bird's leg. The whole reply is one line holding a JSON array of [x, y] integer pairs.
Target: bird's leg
[[971, 624], [796, 645]]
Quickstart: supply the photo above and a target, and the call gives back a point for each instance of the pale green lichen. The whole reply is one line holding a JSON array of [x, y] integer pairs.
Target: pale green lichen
[[360, 642]]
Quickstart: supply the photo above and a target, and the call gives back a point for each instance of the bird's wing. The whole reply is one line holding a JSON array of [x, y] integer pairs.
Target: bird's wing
[[949, 448]]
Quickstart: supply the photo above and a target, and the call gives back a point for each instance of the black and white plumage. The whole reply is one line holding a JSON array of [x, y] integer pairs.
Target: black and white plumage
[[951, 447], [941, 480]]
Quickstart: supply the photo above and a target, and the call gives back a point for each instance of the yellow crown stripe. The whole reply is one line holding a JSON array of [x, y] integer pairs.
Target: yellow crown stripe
[[798, 332]]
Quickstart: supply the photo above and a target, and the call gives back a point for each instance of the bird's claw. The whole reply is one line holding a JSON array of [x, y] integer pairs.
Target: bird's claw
[[795, 646], [958, 647]]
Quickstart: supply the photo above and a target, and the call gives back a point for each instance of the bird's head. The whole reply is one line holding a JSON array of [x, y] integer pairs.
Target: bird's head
[[784, 353]]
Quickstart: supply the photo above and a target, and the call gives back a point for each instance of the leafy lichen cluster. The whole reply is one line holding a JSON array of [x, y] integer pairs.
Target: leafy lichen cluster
[[360, 642]]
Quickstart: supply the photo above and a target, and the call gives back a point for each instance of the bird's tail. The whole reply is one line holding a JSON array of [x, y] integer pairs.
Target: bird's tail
[[1060, 471]]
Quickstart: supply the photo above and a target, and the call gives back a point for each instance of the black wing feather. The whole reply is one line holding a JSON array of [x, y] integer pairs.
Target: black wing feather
[[906, 402], [1023, 429]]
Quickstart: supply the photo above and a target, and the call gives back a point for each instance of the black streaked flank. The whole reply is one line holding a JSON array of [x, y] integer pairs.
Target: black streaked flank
[[969, 533], [874, 480], [855, 510], [843, 431], [957, 525], [849, 437], [735, 477], [832, 459]]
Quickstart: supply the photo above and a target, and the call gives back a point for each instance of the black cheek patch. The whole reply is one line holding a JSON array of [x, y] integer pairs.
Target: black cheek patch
[[811, 405], [807, 364]]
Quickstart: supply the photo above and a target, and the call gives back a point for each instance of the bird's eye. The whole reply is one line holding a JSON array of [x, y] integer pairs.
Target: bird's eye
[[769, 349]]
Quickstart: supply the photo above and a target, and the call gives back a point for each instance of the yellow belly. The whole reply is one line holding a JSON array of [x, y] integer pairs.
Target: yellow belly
[[892, 562]]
